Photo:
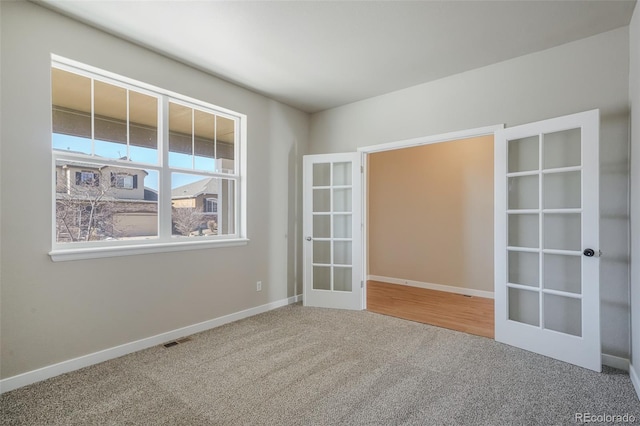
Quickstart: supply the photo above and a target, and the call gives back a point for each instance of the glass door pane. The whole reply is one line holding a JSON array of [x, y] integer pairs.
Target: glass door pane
[[332, 219], [562, 149], [523, 154]]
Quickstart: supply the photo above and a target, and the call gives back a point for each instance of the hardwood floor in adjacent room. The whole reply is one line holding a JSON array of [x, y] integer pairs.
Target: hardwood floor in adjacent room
[[473, 315]]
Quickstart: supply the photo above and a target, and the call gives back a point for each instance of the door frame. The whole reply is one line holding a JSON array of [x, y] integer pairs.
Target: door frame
[[406, 143]]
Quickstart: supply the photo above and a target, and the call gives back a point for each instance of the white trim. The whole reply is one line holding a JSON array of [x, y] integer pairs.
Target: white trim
[[426, 140], [635, 379], [127, 250], [49, 371], [431, 286], [615, 362], [364, 213]]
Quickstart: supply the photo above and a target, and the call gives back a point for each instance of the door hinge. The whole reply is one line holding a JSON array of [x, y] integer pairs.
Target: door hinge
[[361, 169], [361, 284]]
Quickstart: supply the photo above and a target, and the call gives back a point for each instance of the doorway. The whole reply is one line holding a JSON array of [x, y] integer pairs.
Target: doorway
[[430, 233]]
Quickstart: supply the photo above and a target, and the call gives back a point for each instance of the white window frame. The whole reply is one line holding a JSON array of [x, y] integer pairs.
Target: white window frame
[[164, 242]]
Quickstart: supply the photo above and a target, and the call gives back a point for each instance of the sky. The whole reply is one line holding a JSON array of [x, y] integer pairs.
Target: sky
[[138, 154]]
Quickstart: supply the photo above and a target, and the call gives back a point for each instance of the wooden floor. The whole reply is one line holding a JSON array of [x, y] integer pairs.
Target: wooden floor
[[473, 315]]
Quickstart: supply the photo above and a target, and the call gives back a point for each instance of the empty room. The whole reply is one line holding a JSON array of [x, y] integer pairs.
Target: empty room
[[198, 199]]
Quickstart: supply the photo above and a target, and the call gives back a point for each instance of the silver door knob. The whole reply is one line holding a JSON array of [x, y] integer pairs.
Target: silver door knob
[[308, 238]]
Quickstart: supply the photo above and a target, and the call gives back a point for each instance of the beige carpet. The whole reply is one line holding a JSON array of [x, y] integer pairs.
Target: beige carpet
[[308, 366]]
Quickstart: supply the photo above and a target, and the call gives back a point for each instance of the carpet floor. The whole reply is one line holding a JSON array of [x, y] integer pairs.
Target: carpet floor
[[310, 366]]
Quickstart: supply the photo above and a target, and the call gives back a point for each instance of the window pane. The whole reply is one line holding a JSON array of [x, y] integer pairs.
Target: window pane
[[524, 268], [225, 138], [524, 306], [342, 173], [563, 314], [562, 190], [188, 194], [322, 277], [143, 128], [110, 120], [321, 200], [562, 231], [342, 226], [342, 252], [523, 154], [563, 273], [98, 202], [322, 226], [71, 111], [523, 192], [562, 149], [193, 198], [342, 200], [523, 230], [204, 144], [322, 252], [342, 279], [321, 174], [180, 136], [228, 207]]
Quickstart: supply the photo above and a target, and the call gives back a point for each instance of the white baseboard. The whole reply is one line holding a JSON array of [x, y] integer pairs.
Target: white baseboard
[[615, 362], [49, 371], [635, 379], [431, 286]]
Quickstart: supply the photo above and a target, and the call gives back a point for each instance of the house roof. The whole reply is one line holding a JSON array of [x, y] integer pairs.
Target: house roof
[[192, 190], [94, 166]]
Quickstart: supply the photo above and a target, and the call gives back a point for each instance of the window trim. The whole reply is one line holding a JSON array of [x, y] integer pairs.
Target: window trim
[[164, 241]]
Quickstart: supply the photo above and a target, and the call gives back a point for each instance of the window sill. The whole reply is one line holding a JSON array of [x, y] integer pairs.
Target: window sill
[[63, 255]]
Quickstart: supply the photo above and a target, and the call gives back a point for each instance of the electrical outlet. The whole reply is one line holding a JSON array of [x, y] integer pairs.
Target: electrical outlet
[[259, 286]]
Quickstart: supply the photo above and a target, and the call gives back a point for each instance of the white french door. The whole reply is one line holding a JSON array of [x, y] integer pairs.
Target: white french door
[[547, 238], [332, 233]]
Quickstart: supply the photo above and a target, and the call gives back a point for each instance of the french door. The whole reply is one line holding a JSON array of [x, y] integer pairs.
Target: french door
[[332, 201], [547, 238]]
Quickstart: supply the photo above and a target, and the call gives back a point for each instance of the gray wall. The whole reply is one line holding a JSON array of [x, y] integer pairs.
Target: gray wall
[[634, 94], [51, 312], [586, 74]]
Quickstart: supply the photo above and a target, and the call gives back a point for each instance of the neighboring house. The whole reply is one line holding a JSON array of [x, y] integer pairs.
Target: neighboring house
[[201, 197], [101, 202]]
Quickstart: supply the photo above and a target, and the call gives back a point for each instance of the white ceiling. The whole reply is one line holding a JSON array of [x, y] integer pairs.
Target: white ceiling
[[318, 55]]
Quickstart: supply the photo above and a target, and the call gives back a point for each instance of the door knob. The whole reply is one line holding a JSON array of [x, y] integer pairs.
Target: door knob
[[309, 239], [589, 252]]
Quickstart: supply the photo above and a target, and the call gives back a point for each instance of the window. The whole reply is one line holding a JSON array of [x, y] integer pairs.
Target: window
[[87, 178], [211, 205], [137, 166], [125, 181]]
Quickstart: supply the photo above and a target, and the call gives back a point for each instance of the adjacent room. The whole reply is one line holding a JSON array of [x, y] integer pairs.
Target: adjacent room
[[319, 213]]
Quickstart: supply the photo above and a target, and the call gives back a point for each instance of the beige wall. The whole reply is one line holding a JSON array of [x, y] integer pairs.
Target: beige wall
[[578, 76], [52, 312], [431, 213]]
